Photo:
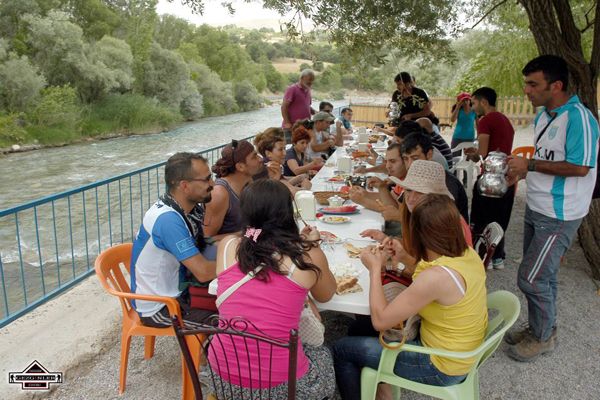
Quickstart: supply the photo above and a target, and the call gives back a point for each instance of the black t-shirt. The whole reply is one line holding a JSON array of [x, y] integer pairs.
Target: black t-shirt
[[413, 103]]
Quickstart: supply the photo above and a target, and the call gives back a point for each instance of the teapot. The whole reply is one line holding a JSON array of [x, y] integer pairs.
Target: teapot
[[496, 163], [493, 181], [335, 201]]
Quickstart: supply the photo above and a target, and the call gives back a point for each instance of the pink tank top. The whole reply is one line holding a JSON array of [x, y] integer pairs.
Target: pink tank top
[[274, 306]]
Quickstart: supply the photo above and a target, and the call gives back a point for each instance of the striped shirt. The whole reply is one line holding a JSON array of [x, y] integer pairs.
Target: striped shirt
[[571, 136]]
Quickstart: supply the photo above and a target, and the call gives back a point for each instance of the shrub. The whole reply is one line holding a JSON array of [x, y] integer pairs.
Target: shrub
[[20, 84], [58, 107], [11, 131], [246, 96], [338, 94], [304, 66], [128, 113]]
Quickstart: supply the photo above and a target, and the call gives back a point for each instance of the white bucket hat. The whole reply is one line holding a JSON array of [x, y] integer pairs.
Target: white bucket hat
[[426, 177]]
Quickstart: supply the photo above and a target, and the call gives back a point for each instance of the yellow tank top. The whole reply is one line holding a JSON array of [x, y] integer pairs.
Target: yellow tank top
[[461, 326]]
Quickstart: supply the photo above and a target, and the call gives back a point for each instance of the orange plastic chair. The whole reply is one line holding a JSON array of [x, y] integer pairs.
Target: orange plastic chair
[[108, 269], [524, 151]]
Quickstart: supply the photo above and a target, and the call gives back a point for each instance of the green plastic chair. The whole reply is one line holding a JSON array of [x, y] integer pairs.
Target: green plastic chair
[[508, 307]]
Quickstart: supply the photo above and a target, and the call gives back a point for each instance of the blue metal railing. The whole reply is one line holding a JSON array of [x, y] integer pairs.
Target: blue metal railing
[[48, 245]]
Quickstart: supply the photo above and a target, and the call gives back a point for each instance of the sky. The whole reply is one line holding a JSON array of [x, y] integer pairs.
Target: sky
[[247, 15]]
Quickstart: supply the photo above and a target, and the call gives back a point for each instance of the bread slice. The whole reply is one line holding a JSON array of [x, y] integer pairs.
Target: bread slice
[[347, 284]]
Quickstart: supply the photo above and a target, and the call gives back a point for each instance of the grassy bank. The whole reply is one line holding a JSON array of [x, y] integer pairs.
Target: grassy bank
[[62, 121]]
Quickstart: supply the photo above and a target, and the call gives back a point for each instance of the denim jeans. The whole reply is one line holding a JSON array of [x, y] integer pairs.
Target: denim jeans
[[545, 241], [351, 353]]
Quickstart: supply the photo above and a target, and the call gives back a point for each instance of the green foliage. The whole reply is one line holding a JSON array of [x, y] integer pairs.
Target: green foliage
[[246, 96], [217, 95], [11, 131], [318, 66], [165, 76], [95, 17], [58, 107], [127, 113], [304, 66], [275, 81], [329, 79], [191, 105], [20, 83], [171, 32]]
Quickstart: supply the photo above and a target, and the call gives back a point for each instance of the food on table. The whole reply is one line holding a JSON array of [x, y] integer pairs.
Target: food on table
[[336, 178], [360, 154], [328, 236], [335, 219], [353, 251], [373, 138], [347, 284], [345, 189], [323, 196]]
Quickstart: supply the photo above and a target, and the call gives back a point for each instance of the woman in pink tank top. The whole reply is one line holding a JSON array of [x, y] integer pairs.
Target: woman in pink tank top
[[293, 264]]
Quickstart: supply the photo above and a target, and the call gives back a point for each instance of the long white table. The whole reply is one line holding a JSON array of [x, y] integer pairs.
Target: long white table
[[337, 256], [357, 303]]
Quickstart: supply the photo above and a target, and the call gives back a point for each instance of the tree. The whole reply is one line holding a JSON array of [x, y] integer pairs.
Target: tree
[[166, 76], [20, 83]]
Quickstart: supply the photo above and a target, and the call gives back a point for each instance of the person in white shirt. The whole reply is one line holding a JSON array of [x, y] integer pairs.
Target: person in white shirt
[[560, 181]]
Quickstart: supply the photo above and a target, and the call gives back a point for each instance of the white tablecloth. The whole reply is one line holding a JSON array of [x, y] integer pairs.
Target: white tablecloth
[[357, 303], [337, 256]]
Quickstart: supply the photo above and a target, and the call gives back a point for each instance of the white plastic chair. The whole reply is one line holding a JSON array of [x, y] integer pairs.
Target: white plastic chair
[[462, 166], [487, 242]]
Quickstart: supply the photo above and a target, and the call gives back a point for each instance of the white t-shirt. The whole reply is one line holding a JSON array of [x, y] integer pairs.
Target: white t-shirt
[[572, 136], [321, 137]]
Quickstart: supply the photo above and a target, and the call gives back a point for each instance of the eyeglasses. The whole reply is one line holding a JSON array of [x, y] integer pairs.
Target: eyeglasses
[[207, 179]]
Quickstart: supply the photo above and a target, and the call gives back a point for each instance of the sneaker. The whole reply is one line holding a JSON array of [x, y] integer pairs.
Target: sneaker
[[529, 349], [498, 263]]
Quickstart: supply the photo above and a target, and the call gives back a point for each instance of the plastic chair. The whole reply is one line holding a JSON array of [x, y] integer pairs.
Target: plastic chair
[[108, 269], [508, 307], [462, 166], [524, 151], [222, 334], [487, 242]]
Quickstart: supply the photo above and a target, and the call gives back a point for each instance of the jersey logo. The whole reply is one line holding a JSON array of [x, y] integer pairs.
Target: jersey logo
[[185, 245], [547, 155], [552, 132]]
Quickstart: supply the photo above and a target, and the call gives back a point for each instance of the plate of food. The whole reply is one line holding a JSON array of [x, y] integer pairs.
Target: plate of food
[[337, 178], [335, 219], [343, 210], [347, 284], [329, 237]]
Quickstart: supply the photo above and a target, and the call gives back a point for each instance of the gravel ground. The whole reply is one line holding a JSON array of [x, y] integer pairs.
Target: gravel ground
[[572, 371]]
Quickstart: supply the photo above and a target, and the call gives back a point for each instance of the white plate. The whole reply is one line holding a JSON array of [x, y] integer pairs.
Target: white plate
[[335, 219]]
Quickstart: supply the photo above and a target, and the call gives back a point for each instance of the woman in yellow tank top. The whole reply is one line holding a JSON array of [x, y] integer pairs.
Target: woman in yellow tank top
[[448, 292]]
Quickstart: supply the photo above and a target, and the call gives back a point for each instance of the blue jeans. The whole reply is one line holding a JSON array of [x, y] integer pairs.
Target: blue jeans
[[545, 241], [351, 353]]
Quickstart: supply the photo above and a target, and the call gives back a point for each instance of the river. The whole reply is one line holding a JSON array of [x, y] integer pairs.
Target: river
[[31, 175]]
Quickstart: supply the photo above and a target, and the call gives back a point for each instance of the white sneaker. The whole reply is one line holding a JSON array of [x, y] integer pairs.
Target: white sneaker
[[498, 264]]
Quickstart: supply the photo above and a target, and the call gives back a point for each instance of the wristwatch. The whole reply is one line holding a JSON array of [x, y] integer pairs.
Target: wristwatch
[[531, 165]]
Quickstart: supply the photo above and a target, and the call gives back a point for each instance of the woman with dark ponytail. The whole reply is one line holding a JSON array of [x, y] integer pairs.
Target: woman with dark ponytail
[[285, 265]]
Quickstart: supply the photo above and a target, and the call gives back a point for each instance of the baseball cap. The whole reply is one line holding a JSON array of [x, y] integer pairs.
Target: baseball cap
[[323, 116]]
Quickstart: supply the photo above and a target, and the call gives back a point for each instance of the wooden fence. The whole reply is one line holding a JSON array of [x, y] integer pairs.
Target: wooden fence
[[519, 110]]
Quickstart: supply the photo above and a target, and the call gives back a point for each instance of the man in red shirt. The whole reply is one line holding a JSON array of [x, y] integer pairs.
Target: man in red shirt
[[494, 133], [296, 103]]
